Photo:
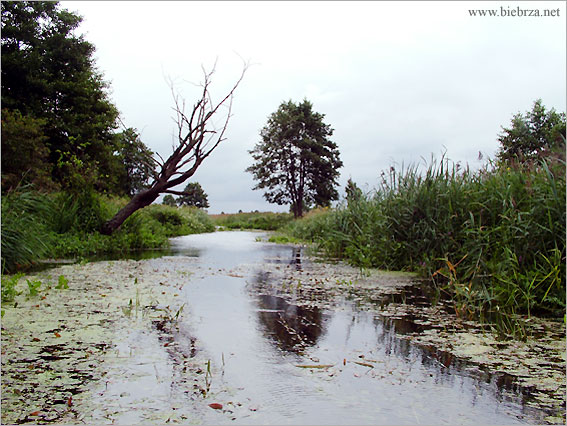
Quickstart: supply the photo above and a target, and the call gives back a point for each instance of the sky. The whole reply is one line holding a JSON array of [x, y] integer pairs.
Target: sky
[[399, 82]]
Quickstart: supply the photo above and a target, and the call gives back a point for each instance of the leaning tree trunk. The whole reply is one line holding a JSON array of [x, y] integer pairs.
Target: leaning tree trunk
[[138, 201], [198, 136]]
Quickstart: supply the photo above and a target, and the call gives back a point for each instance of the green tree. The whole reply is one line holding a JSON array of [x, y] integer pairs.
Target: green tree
[[536, 134], [48, 73], [353, 192], [295, 162], [193, 195], [168, 200], [136, 160], [24, 152]]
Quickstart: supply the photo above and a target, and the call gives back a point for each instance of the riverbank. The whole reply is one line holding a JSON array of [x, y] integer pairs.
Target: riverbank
[[122, 343], [36, 226]]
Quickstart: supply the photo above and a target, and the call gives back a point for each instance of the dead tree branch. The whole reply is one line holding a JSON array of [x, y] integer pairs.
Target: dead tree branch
[[197, 137]]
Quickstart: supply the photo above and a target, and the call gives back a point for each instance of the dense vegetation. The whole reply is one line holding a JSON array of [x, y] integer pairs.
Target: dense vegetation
[[493, 239], [36, 226], [59, 127], [66, 170], [254, 220]]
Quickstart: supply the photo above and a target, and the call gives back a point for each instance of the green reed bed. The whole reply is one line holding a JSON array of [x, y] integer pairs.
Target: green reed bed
[[494, 239], [63, 225], [268, 221]]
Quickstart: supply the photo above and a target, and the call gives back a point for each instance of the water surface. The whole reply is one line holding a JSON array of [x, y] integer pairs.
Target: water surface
[[256, 341]]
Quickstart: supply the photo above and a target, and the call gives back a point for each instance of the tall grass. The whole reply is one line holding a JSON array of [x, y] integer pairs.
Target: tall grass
[[254, 220], [24, 228], [36, 226], [494, 238]]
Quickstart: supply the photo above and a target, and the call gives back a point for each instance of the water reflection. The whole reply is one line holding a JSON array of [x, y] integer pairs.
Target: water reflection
[[292, 327], [259, 323]]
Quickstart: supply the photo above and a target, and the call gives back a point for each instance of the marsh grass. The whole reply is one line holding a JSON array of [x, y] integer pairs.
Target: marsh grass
[[268, 221], [62, 225], [494, 239], [25, 225]]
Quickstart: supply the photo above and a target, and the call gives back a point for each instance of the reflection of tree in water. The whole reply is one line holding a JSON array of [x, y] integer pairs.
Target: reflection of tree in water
[[296, 258], [292, 327]]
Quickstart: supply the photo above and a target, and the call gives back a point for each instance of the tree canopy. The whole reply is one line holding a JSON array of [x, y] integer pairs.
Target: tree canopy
[[193, 195], [136, 161], [536, 134], [168, 200], [353, 192], [24, 152], [49, 75], [295, 161]]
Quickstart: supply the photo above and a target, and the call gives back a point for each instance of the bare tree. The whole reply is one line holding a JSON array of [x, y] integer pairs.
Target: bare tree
[[198, 134]]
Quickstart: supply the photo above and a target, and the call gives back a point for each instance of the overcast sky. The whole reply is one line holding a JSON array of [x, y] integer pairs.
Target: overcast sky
[[397, 81]]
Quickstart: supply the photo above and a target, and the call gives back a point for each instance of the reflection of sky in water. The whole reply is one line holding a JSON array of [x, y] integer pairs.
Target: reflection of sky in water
[[256, 340]]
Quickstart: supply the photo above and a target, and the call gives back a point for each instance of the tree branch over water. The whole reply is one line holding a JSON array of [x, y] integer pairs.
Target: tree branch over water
[[198, 135]]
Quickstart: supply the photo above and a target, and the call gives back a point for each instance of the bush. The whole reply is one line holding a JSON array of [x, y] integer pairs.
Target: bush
[[83, 211]]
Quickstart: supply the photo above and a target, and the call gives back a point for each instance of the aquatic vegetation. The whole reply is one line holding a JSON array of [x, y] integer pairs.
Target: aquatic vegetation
[[9, 283], [62, 283], [65, 344], [493, 239], [118, 367], [33, 287]]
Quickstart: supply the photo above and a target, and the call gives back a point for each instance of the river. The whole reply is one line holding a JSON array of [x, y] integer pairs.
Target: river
[[257, 340], [225, 328]]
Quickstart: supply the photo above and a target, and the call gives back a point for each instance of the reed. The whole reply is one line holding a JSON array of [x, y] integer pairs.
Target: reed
[[493, 238], [24, 228], [35, 226]]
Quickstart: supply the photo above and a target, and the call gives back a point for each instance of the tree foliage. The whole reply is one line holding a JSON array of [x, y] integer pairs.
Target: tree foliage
[[194, 195], [295, 162], [48, 74], [536, 134], [136, 162], [24, 152], [168, 200]]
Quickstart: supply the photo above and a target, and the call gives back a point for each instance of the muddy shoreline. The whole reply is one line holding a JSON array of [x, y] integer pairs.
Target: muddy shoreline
[[118, 346]]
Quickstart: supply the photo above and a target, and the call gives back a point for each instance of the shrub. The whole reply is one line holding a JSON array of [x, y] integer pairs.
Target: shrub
[[66, 224]]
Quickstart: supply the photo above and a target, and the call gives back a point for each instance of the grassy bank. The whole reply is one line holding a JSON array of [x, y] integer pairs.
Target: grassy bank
[[36, 226], [493, 239], [267, 221]]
